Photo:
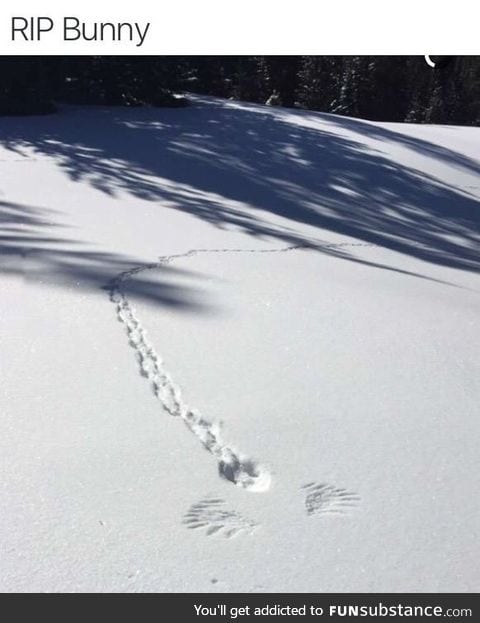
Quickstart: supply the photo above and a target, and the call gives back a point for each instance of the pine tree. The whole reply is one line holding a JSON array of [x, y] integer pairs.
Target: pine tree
[[26, 85], [380, 88], [319, 82]]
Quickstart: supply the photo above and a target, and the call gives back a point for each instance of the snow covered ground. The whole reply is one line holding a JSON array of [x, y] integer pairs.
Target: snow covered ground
[[238, 352]]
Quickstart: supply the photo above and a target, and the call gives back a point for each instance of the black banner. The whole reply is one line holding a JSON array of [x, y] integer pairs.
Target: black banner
[[227, 607]]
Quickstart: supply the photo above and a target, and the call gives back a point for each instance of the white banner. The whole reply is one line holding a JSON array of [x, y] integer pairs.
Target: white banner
[[189, 27]]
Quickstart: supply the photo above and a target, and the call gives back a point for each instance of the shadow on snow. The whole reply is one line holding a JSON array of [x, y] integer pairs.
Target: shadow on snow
[[266, 172]]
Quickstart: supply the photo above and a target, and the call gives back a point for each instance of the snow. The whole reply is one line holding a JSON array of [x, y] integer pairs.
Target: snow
[[239, 352]]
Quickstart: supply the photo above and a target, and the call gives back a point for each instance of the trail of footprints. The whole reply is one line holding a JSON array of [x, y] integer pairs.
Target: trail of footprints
[[211, 515], [232, 465]]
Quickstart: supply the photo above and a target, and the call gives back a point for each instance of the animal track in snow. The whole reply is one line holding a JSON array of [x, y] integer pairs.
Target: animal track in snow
[[211, 514], [323, 499], [232, 465]]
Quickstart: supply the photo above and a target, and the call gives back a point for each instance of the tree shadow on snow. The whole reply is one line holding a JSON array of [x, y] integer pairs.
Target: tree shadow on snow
[[267, 172], [26, 250]]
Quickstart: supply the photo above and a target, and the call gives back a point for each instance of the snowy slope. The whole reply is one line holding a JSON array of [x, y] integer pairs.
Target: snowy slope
[[239, 352]]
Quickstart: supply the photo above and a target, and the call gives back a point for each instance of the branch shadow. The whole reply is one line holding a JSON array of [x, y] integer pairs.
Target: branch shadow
[[269, 173], [25, 250]]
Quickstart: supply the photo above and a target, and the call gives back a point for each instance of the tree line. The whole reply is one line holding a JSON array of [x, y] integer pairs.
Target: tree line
[[381, 88]]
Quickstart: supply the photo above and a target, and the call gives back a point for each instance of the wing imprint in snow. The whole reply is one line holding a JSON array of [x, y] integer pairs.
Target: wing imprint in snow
[[211, 515], [323, 499]]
